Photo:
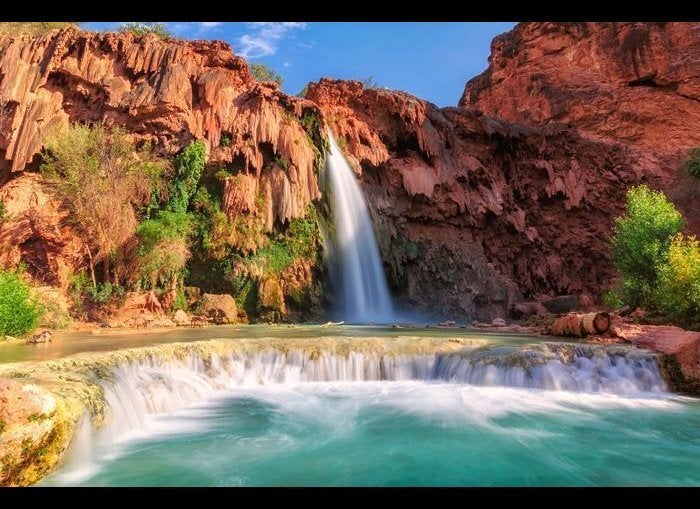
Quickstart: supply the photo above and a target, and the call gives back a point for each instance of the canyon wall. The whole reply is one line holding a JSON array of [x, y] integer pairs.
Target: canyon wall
[[475, 213], [166, 92]]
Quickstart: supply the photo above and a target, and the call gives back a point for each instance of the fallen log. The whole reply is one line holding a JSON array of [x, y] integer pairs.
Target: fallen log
[[580, 325]]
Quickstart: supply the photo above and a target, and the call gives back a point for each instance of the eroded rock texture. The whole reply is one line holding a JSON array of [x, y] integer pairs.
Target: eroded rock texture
[[474, 212], [165, 92]]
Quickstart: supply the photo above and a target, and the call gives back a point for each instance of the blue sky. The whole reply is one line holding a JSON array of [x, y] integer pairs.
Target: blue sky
[[430, 60]]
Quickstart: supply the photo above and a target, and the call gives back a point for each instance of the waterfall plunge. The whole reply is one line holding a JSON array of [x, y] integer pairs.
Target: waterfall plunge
[[362, 292]]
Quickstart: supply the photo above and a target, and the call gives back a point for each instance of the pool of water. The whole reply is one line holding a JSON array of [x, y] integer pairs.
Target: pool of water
[[406, 433], [70, 343]]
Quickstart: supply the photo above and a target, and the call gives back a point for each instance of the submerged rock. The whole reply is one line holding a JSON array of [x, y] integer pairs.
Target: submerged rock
[[42, 337]]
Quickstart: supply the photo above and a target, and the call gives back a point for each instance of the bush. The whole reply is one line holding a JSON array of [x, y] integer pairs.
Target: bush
[[692, 163], [678, 292], [164, 250], [261, 72], [147, 27], [189, 166], [19, 314], [641, 242], [105, 293]]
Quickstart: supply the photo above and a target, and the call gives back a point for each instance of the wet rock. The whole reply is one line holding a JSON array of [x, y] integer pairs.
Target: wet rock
[[447, 323], [181, 318], [42, 337], [220, 308], [527, 309], [561, 304], [498, 322], [161, 321]]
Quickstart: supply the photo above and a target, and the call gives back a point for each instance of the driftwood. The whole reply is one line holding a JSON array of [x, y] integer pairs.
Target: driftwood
[[580, 325]]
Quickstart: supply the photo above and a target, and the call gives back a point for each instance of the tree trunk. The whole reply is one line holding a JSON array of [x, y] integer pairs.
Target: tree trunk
[[580, 325], [92, 267]]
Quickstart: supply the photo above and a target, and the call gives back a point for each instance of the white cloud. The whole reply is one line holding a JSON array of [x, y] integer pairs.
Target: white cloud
[[286, 64], [209, 24], [265, 36]]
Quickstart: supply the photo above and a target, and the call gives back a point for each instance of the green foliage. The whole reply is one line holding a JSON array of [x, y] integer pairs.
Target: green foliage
[[225, 140], [147, 27], [302, 93], [19, 313], [104, 180], [678, 292], [34, 27], [164, 249], [641, 242], [3, 212], [105, 294], [262, 72], [281, 162], [189, 166], [611, 298], [180, 301], [692, 163]]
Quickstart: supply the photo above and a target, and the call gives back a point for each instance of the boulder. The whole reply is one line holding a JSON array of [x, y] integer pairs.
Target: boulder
[[498, 322], [527, 309], [561, 304], [220, 308]]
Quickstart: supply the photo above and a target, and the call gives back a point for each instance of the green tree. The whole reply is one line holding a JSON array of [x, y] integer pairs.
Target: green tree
[[678, 293], [641, 241], [19, 313], [147, 27], [262, 72], [103, 179]]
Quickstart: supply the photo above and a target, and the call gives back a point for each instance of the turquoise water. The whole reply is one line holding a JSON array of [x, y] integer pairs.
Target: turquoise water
[[404, 433]]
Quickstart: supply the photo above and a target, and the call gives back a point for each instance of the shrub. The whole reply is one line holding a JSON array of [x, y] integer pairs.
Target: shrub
[[19, 314], [692, 163], [188, 170], [262, 72], [147, 27], [225, 140], [105, 293], [164, 249], [678, 292], [103, 179], [641, 241], [370, 82], [3, 212]]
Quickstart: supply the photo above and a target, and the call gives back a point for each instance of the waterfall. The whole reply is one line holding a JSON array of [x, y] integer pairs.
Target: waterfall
[[362, 292]]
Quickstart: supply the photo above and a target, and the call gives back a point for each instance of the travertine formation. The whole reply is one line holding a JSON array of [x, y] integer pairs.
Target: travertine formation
[[167, 92]]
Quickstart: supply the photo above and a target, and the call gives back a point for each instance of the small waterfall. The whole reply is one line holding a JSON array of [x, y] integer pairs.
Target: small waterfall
[[362, 291]]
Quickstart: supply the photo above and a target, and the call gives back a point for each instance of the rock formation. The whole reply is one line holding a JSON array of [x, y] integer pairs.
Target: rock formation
[[636, 83], [475, 212]]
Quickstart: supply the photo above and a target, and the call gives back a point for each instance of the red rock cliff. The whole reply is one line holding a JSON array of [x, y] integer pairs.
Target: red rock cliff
[[476, 212], [167, 92], [634, 82]]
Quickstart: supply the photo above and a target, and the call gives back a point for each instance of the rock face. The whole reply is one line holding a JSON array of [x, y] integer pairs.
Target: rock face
[[166, 92], [476, 213], [636, 83]]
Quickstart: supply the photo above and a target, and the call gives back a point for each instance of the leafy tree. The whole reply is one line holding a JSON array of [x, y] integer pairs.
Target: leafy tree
[[641, 242], [147, 27], [262, 72], [103, 179], [19, 313], [678, 292]]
